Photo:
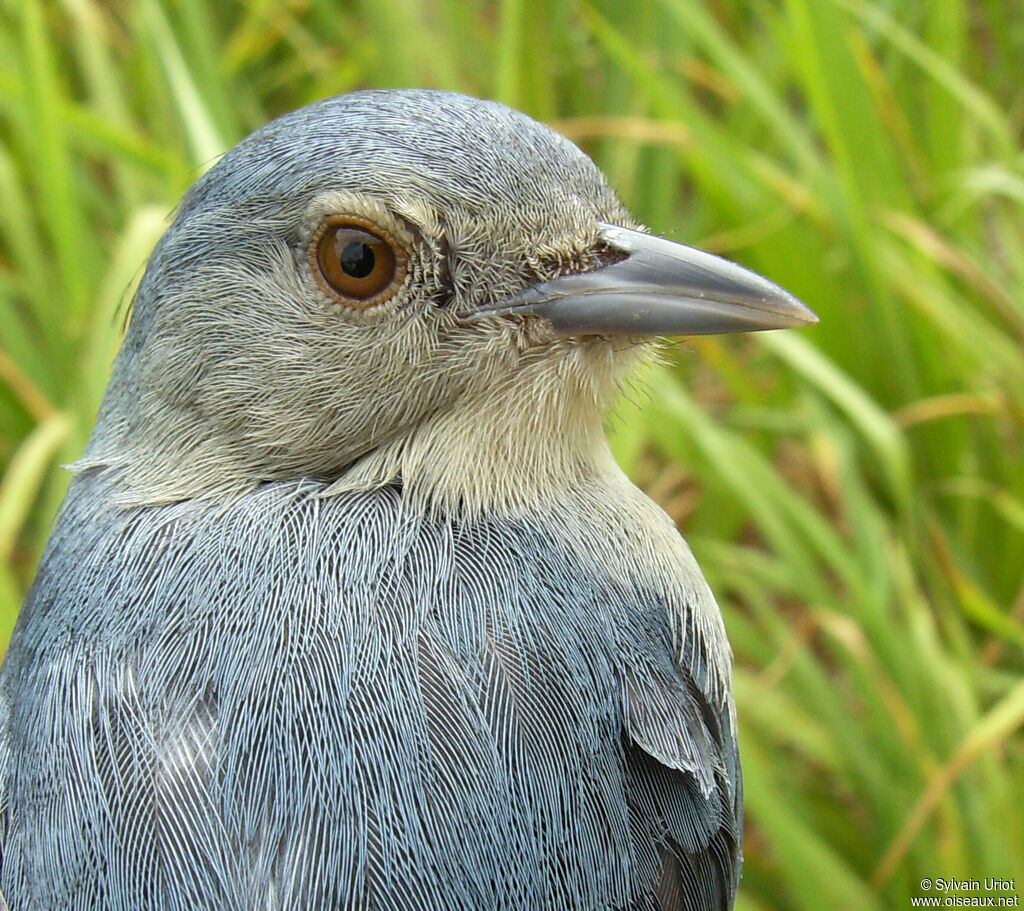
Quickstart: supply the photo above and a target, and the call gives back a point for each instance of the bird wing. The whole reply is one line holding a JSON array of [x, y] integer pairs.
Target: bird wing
[[683, 787], [5, 713]]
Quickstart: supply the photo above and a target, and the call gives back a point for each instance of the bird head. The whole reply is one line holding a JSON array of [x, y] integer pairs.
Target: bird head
[[406, 286]]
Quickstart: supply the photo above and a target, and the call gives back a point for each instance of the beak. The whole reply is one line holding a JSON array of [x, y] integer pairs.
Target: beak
[[659, 288]]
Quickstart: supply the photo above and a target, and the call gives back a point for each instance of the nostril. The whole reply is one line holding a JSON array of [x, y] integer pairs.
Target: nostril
[[574, 262], [443, 298]]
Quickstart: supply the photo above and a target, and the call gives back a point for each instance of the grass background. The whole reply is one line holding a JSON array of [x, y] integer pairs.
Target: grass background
[[854, 492]]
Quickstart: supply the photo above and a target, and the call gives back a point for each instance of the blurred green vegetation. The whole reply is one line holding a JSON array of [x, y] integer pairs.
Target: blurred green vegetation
[[854, 492]]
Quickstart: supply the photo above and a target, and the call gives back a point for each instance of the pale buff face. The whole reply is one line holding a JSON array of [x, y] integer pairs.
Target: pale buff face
[[238, 368]]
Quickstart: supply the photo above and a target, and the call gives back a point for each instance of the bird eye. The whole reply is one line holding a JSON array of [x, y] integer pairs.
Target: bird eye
[[356, 262]]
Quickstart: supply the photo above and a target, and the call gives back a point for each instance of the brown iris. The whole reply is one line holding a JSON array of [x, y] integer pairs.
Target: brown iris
[[356, 262]]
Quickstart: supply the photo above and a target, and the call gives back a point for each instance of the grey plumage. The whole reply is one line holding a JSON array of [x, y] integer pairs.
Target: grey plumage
[[352, 609]]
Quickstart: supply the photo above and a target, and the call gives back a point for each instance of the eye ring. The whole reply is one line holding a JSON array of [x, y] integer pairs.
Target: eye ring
[[356, 262]]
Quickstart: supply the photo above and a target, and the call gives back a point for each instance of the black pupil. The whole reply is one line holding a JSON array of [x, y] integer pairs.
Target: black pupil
[[357, 259]]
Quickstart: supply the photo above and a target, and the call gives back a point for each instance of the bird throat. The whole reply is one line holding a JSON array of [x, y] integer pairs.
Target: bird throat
[[506, 447]]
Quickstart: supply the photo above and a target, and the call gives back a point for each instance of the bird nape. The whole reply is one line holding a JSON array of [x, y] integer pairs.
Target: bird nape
[[348, 605]]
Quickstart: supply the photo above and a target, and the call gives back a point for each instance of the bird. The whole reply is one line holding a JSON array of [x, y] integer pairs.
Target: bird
[[348, 605]]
